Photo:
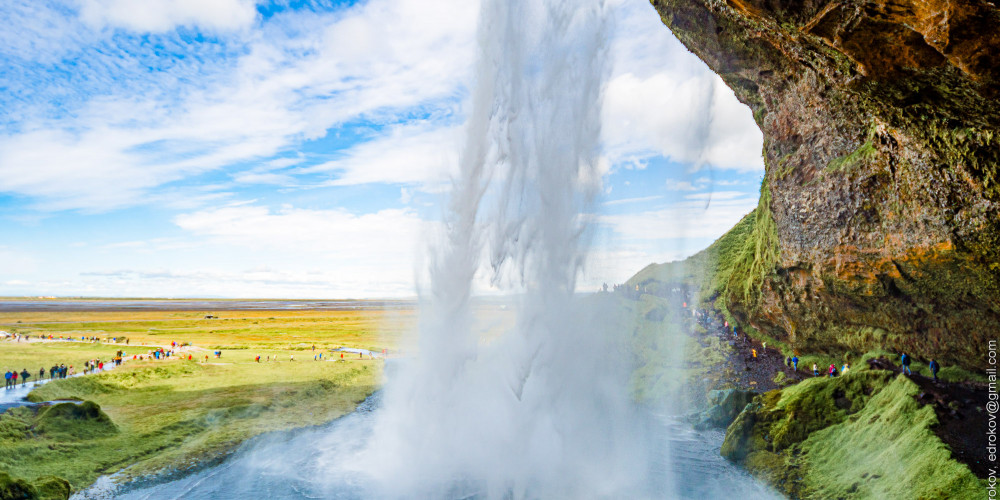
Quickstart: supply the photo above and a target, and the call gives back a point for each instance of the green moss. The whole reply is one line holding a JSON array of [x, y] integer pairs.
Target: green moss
[[44, 488], [819, 402], [784, 167], [886, 450], [52, 488], [862, 435], [854, 159], [15, 489], [74, 422], [757, 258]]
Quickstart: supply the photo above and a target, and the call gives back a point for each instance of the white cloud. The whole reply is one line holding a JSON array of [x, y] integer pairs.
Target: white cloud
[[334, 252], [684, 220], [14, 261], [625, 201], [692, 121], [662, 100], [302, 74], [419, 154], [673, 185], [163, 15], [334, 232]]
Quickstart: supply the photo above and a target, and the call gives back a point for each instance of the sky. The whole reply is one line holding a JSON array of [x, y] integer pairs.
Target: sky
[[304, 148]]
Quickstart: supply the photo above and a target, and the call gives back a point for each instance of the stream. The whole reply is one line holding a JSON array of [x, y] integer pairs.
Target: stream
[[319, 462]]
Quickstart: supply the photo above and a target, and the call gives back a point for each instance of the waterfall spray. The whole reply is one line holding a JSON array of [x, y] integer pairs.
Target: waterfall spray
[[542, 411]]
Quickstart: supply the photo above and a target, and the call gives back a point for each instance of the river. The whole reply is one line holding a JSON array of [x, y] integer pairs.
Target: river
[[320, 462]]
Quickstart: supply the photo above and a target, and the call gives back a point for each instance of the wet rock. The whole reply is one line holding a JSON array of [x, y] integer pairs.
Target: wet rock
[[724, 406], [879, 220]]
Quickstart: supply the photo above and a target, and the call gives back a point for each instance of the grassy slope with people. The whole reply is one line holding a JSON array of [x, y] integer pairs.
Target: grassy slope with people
[[798, 438], [159, 416], [35, 355]]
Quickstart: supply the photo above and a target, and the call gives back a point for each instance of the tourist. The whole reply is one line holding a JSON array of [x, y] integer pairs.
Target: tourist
[[815, 370], [291, 357], [935, 367], [833, 370], [41, 374], [795, 363], [6, 377], [843, 371], [906, 363], [24, 376], [754, 352], [14, 378]]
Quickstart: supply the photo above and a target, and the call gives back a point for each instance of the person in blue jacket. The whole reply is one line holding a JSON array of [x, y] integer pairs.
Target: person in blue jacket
[[935, 367], [795, 363], [906, 364]]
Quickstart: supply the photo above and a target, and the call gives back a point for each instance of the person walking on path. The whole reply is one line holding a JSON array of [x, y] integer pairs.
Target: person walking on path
[[935, 367], [906, 364], [795, 363], [754, 352], [41, 374], [6, 377], [24, 376], [843, 371], [833, 370], [815, 370]]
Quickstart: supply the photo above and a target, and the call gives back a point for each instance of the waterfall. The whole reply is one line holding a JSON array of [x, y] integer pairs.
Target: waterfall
[[542, 410]]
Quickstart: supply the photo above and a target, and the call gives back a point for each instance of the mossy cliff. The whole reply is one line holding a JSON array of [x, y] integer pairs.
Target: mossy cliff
[[879, 220], [863, 435]]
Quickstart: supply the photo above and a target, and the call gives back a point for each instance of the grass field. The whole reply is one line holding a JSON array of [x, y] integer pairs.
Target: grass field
[[369, 329], [160, 415]]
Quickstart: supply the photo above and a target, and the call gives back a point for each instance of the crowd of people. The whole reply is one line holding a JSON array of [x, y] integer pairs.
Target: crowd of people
[[11, 377], [706, 319]]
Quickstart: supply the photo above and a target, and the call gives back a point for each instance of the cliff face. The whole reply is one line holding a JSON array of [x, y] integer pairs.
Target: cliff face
[[879, 224]]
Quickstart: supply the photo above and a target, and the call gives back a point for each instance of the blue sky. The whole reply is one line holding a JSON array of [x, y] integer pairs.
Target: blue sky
[[235, 148]]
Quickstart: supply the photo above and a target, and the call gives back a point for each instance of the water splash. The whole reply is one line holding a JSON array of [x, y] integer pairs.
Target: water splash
[[542, 411]]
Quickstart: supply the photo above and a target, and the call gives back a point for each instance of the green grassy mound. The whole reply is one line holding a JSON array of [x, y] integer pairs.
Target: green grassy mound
[[44, 488], [862, 435], [71, 421]]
